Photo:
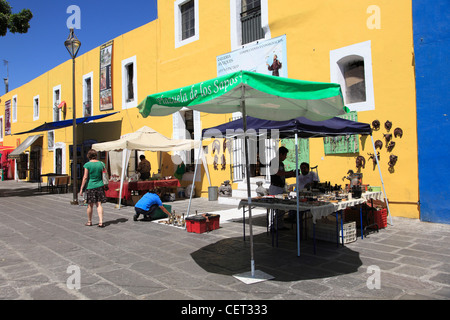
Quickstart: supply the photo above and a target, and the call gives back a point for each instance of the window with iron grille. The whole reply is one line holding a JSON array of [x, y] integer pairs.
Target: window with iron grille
[[130, 86], [251, 21], [187, 20], [88, 97]]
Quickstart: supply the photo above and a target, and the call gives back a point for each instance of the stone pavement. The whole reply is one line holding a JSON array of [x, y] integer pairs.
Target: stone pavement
[[46, 251]]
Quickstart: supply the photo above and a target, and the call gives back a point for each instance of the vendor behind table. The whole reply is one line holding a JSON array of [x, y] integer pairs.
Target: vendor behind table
[[278, 181], [144, 168]]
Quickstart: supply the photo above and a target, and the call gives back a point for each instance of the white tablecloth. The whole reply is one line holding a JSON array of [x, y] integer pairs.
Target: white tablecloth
[[318, 210], [376, 195]]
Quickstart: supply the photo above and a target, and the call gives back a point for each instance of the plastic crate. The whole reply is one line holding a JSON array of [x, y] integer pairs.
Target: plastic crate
[[159, 214], [202, 223], [380, 218], [326, 230]]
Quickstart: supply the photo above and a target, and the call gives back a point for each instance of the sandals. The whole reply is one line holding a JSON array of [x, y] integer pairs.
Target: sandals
[[89, 224]]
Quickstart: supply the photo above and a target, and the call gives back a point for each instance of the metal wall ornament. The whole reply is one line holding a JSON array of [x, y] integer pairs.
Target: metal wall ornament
[[390, 146], [392, 160], [224, 162], [360, 162], [398, 132], [216, 146], [387, 137], [376, 124], [378, 144], [388, 125], [374, 160]]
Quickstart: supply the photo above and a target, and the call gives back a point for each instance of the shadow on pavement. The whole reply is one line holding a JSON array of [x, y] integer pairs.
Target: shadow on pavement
[[21, 192], [232, 256]]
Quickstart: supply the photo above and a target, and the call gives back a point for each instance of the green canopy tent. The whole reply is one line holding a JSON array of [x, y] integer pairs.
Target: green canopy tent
[[257, 95]]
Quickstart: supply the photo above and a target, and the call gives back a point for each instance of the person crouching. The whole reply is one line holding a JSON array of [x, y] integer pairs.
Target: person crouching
[[148, 204]]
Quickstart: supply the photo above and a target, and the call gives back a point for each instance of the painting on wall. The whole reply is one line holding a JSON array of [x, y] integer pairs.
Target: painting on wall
[[106, 98]]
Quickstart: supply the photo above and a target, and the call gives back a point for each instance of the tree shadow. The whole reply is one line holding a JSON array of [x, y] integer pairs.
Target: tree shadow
[[232, 256]]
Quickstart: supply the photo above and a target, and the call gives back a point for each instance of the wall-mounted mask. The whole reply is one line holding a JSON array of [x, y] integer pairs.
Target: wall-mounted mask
[[378, 144], [376, 124], [398, 132], [388, 125]]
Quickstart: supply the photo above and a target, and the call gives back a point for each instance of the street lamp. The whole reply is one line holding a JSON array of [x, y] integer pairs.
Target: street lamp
[[72, 45]]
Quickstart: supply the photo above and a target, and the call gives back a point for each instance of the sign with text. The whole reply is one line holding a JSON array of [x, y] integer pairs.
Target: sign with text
[[8, 118], [106, 98], [265, 56]]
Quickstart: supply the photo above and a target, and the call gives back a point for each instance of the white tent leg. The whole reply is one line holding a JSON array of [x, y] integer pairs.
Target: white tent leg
[[205, 165], [249, 191], [125, 157], [382, 182], [252, 276], [298, 194], [200, 152]]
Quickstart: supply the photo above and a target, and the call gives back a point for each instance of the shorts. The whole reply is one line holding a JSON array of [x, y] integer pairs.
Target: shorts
[[95, 195]]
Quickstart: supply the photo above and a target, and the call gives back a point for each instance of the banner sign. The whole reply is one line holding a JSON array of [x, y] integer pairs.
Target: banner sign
[[106, 97], [265, 56], [8, 118]]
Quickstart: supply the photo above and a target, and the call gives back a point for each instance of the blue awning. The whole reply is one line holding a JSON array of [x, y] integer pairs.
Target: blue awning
[[305, 128], [66, 123]]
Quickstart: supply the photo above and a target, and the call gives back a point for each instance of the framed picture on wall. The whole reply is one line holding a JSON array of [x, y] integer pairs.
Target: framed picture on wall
[[106, 55]]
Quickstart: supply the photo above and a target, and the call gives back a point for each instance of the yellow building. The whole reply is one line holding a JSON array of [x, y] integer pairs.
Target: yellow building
[[366, 48]]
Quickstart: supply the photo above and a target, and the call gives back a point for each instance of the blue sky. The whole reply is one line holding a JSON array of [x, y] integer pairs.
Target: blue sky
[[42, 48]]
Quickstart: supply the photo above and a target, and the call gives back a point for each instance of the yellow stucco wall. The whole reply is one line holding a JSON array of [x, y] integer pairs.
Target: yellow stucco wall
[[312, 29]]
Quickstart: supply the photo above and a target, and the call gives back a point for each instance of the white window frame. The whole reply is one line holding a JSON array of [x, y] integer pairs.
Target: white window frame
[[58, 87], [236, 27], [363, 50], [14, 108], [36, 116], [50, 146], [1, 128], [60, 145], [178, 25], [129, 104], [180, 132], [87, 76]]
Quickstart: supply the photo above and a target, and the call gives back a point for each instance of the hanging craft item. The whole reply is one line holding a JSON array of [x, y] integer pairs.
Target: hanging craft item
[[216, 146], [390, 146], [378, 144], [376, 124], [388, 125], [387, 137], [398, 132], [216, 162], [360, 162], [392, 160], [372, 156], [224, 162], [226, 144]]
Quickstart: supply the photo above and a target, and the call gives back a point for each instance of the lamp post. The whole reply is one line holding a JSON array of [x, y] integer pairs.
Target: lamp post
[[72, 45]]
